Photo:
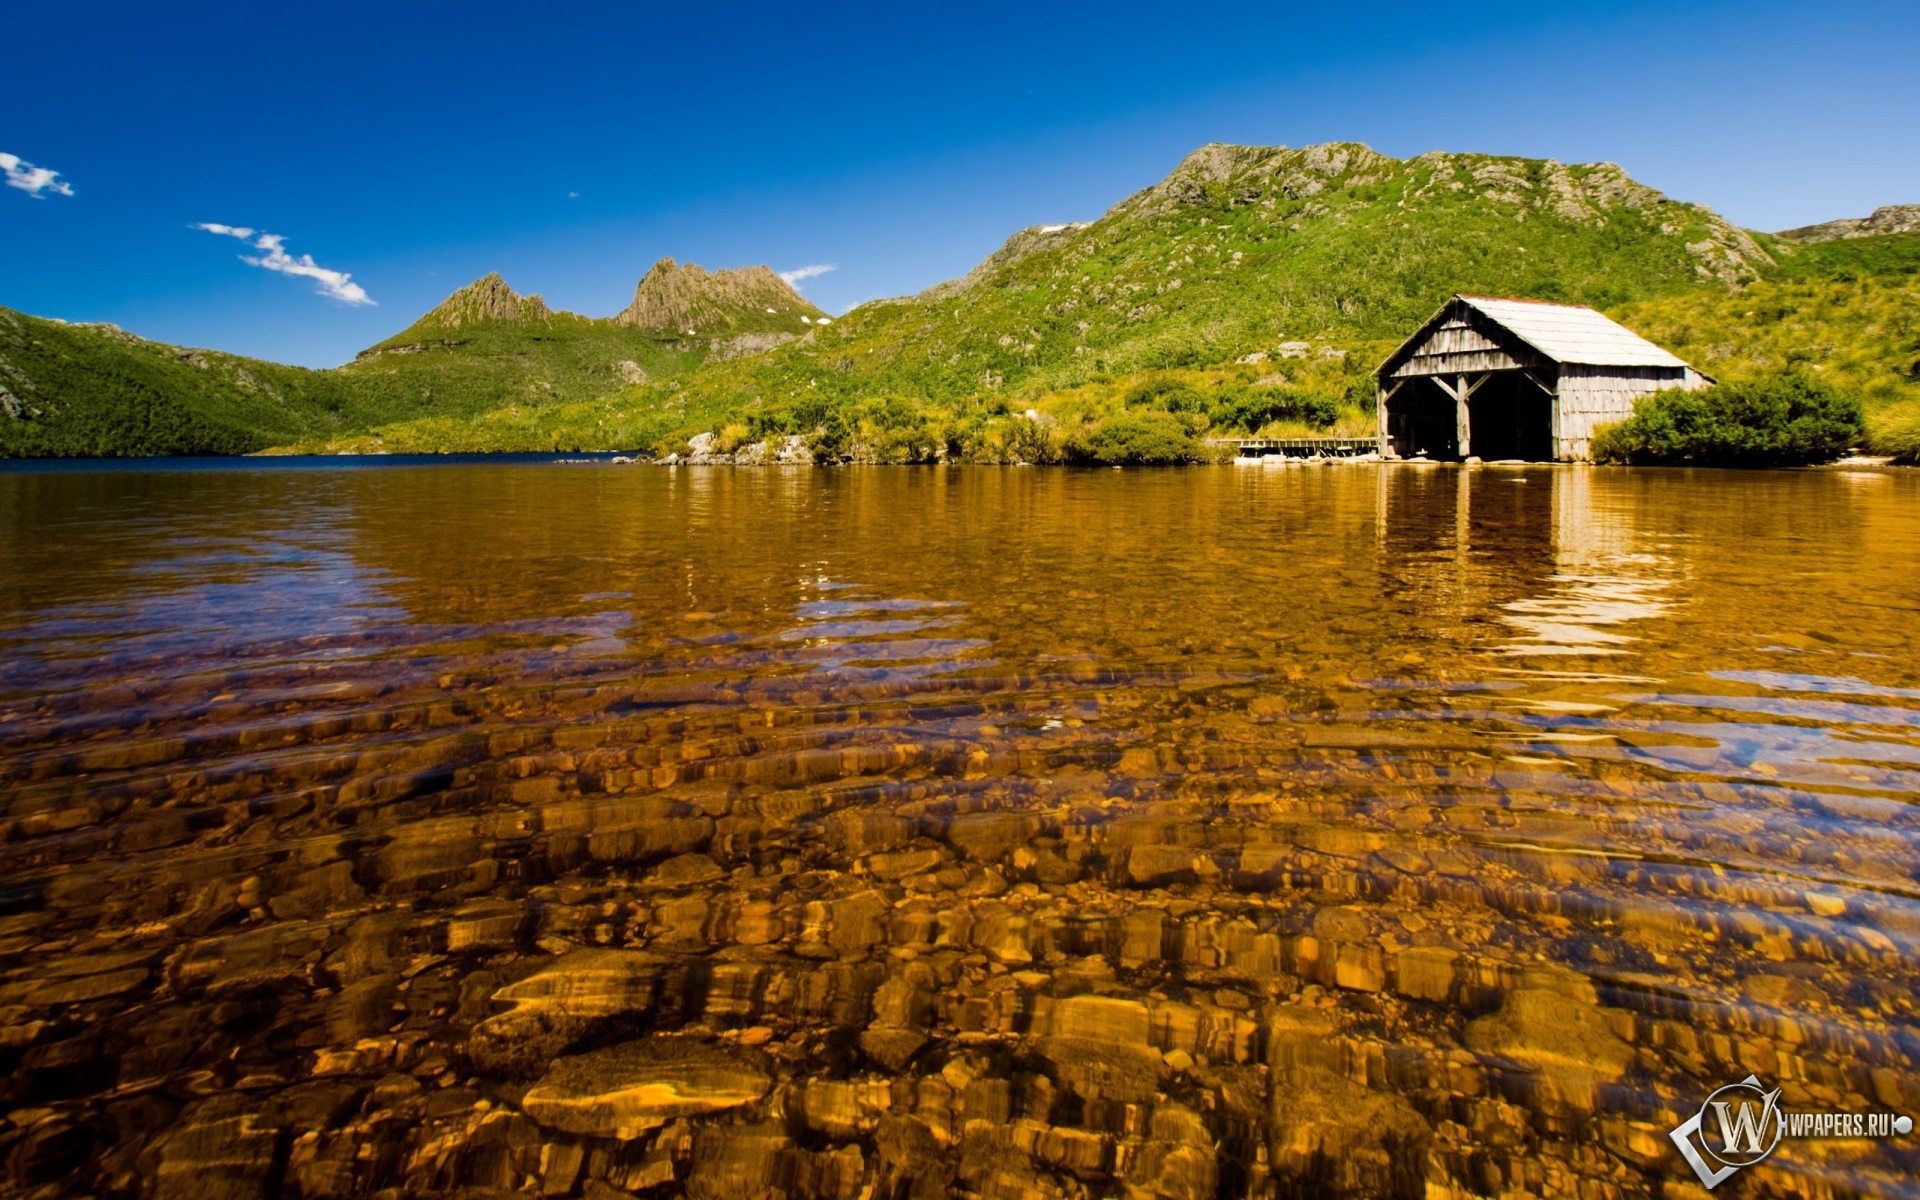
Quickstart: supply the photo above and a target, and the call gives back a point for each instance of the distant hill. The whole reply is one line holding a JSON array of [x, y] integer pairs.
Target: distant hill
[[98, 390], [75, 390], [1894, 218]]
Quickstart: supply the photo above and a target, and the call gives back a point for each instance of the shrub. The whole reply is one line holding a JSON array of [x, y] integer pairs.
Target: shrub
[[892, 429], [1038, 442], [1137, 437], [1896, 431], [1777, 420], [1250, 408], [828, 440], [1172, 395]]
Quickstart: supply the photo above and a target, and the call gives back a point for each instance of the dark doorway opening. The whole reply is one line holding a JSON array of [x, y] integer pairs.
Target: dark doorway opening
[[1512, 417], [1420, 420]]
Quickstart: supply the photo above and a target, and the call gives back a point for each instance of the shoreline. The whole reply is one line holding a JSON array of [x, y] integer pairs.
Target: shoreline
[[320, 462]]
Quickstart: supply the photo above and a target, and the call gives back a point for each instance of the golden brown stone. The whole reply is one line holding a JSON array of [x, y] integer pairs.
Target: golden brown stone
[[626, 1090]]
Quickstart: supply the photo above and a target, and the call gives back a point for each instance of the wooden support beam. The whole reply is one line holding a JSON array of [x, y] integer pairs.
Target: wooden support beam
[[1461, 391], [1462, 417], [1384, 395]]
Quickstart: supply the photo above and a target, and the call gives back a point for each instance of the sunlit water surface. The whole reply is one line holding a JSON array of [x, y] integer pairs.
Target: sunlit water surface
[[881, 832]]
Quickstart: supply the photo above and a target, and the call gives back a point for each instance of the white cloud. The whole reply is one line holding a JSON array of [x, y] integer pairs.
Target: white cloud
[[34, 181], [795, 276], [337, 284], [239, 231]]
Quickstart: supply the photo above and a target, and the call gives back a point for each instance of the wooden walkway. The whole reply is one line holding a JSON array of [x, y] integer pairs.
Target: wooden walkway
[[1304, 447]]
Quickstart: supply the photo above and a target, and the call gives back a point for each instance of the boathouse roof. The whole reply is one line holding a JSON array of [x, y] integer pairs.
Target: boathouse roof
[[1574, 333], [1559, 333]]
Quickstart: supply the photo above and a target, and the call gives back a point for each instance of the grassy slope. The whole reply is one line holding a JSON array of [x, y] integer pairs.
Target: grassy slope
[[97, 390], [1240, 249], [476, 376], [1849, 310], [144, 398], [530, 368]]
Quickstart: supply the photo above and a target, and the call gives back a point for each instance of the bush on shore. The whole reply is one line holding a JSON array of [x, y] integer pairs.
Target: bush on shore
[[1138, 437], [1896, 431], [1788, 419]]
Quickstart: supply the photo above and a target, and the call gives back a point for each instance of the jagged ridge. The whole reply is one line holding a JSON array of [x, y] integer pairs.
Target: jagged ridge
[[1892, 218], [692, 301], [486, 299]]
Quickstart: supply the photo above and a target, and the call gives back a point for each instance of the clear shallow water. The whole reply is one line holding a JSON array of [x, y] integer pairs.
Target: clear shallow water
[[911, 831]]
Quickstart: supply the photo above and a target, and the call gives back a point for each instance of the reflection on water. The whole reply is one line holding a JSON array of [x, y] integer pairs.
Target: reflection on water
[[1604, 579], [875, 833]]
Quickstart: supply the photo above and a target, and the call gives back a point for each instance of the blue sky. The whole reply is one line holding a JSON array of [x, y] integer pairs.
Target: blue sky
[[414, 147]]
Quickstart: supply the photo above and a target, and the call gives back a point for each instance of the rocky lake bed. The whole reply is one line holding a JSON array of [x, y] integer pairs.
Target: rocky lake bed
[[936, 832]]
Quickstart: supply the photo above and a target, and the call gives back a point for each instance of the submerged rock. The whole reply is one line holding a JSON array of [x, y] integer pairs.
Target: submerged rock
[[557, 1005], [1178, 1162], [626, 1090], [1568, 1041]]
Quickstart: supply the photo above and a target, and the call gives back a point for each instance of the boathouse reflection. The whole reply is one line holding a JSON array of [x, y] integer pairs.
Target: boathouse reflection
[[1531, 561]]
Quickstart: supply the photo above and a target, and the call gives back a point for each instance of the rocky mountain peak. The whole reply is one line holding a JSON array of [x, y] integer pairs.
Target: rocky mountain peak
[[1892, 218], [487, 299], [691, 300]]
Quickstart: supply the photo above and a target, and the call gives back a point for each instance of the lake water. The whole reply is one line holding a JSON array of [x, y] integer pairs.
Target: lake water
[[585, 830]]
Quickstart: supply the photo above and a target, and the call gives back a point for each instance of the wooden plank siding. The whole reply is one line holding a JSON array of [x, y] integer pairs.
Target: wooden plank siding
[[1589, 397], [1456, 346]]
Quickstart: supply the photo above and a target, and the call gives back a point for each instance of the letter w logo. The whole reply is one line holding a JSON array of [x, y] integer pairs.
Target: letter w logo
[[1741, 1132]]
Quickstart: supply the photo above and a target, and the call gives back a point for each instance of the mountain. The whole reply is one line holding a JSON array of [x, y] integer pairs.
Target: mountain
[[738, 312], [83, 389], [1333, 251], [488, 349], [1894, 218], [1242, 248]]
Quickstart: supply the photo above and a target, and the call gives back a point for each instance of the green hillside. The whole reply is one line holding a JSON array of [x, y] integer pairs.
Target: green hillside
[[1846, 310], [97, 390], [68, 390], [1239, 251], [486, 347]]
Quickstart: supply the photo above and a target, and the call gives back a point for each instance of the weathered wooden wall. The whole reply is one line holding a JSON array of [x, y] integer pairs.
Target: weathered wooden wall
[[1589, 397], [1456, 346]]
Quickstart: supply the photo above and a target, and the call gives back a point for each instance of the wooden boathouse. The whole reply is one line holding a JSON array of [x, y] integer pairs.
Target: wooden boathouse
[[1494, 379]]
